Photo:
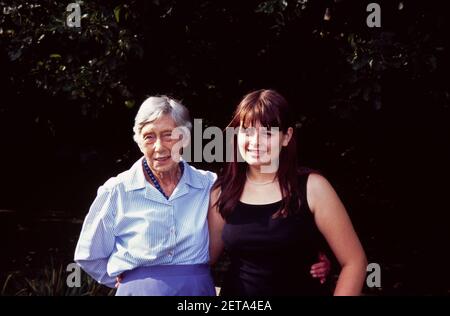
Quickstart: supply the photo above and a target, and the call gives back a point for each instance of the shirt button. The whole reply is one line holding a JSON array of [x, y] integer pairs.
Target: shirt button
[[172, 230], [170, 253]]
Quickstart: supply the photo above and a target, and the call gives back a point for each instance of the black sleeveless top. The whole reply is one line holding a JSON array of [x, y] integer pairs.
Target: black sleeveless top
[[272, 256]]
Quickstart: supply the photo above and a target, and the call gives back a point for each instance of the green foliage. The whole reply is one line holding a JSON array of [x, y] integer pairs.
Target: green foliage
[[283, 12], [87, 65], [91, 65]]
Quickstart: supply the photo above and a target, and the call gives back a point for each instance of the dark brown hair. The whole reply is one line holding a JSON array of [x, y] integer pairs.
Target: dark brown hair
[[272, 110]]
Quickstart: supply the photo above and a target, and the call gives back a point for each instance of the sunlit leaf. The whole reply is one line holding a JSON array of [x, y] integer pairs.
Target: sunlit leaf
[[117, 13]]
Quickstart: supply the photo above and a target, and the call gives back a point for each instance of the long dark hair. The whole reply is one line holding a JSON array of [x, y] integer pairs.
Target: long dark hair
[[272, 110]]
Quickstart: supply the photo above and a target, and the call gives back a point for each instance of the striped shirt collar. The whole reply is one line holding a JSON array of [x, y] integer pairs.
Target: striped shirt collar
[[136, 178]]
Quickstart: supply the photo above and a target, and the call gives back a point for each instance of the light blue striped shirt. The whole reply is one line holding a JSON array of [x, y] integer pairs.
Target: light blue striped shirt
[[131, 224]]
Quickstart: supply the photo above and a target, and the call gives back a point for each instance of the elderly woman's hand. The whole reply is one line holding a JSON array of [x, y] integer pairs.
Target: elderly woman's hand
[[118, 280], [322, 268]]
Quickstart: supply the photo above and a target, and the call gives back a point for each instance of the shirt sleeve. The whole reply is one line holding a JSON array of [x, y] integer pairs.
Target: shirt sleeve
[[212, 177], [97, 240]]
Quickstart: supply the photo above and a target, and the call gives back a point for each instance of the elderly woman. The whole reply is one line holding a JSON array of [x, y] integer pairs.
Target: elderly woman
[[149, 224]]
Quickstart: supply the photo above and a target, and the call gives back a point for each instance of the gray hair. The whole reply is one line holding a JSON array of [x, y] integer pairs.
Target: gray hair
[[155, 107]]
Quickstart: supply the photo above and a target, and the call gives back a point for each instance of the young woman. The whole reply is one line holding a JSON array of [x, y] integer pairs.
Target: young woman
[[272, 217]]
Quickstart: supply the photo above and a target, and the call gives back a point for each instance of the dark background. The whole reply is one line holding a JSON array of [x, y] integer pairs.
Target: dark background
[[372, 106]]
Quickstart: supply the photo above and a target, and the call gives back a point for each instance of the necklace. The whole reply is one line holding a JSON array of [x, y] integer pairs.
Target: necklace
[[259, 183], [153, 178]]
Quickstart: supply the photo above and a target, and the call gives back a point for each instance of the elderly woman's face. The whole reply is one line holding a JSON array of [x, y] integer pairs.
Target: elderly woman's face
[[157, 144]]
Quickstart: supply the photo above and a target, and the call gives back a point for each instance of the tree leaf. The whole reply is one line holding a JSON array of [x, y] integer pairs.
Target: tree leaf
[[14, 55], [117, 13], [129, 103]]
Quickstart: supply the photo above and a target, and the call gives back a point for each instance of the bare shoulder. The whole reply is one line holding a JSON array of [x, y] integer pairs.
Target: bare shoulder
[[215, 193], [319, 191], [213, 211], [317, 183]]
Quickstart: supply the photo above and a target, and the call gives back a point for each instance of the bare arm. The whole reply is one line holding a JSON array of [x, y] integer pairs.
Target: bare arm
[[335, 225], [215, 226]]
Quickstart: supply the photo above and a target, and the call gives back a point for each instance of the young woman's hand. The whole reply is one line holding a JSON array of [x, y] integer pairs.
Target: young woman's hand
[[321, 269], [118, 280]]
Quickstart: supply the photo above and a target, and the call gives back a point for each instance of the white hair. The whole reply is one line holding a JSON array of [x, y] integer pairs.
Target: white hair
[[155, 107]]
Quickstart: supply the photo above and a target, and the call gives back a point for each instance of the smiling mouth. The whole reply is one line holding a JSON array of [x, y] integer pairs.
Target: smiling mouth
[[253, 151], [162, 158]]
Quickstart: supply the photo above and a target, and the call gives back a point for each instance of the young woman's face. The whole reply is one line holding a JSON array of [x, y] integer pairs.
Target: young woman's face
[[259, 145]]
